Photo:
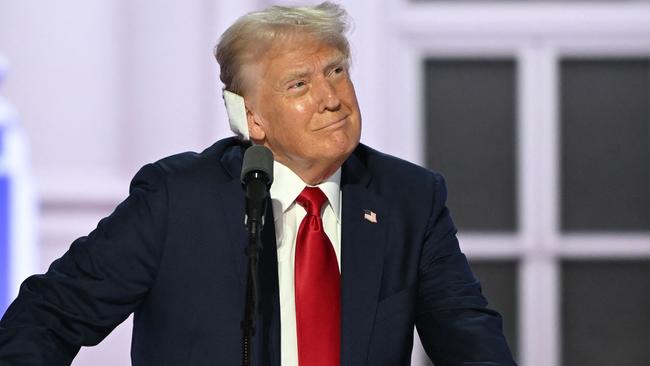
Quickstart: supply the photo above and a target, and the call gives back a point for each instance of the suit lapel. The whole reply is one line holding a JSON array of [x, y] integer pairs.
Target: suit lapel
[[362, 251]]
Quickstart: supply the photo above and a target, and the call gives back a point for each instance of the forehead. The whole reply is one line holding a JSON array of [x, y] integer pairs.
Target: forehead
[[298, 53]]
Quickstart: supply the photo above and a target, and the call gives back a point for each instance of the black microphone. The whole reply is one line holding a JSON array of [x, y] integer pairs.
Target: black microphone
[[256, 178]]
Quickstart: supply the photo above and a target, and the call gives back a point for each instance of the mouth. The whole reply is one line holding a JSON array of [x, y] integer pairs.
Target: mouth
[[334, 124]]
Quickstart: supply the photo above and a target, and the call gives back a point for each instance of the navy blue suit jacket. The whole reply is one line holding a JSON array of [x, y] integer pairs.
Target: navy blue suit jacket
[[173, 254]]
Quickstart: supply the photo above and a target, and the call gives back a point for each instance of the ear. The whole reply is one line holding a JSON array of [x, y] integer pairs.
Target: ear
[[255, 126]]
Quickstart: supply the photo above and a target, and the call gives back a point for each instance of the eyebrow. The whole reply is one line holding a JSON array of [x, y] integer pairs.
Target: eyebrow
[[296, 74], [335, 62], [301, 73]]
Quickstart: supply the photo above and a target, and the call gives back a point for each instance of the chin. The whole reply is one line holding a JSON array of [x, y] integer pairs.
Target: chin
[[345, 141], [340, 152]]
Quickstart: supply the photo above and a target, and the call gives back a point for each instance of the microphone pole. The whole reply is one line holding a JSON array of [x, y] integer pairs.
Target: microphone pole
[[256, 177]]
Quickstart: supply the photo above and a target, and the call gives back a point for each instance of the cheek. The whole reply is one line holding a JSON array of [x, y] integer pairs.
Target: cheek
[[294, 107], [294, 118], [300, 108], [350, 95], [289, 122]]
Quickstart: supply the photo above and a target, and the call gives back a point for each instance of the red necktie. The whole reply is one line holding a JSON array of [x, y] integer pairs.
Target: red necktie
[[318, 287]]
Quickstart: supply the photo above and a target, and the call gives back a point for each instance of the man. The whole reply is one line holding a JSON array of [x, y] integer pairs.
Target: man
[[358, 248]]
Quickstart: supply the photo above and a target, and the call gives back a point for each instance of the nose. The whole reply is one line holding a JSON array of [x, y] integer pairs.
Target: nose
[[328, 96]]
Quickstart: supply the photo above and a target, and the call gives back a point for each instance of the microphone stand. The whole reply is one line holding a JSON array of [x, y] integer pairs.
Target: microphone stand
[[256, 193], [250, 309]]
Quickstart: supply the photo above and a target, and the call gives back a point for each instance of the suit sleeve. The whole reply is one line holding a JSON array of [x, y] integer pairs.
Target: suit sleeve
[[454, 324], [94, 286]]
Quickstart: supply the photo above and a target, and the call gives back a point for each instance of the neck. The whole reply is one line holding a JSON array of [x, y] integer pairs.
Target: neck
[[315, 174], [312, 172]]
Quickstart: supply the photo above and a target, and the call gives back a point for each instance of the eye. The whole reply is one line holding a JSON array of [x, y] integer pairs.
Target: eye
[[297, 85], [338, 70]]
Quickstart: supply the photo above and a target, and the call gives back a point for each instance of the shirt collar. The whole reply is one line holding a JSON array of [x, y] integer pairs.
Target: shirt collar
[[287, 185]]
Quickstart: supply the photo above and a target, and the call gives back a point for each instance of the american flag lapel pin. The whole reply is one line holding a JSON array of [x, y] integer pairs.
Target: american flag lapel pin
[[370, 216]]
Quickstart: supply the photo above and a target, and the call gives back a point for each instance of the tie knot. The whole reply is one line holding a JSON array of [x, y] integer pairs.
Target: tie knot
[[312, 199]]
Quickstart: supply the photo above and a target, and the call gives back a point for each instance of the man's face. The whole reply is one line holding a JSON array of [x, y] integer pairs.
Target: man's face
[[302, 105]]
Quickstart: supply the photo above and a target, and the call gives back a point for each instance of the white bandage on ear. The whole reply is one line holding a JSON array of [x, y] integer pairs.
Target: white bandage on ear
[[236, 114]]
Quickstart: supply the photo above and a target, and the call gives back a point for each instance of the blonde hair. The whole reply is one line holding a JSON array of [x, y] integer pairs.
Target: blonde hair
[[254, 33]]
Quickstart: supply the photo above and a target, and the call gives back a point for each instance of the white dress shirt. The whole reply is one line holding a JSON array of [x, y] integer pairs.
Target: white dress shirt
[[287, 214]]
